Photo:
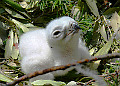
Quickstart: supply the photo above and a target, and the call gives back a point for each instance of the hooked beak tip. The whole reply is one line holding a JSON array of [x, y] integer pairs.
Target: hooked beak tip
[[77, 27]]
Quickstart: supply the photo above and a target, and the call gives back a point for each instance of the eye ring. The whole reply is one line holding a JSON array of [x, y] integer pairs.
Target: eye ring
[[56, 33]]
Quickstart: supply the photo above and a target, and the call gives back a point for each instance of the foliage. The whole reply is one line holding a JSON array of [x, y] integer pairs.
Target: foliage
[[99, 20]]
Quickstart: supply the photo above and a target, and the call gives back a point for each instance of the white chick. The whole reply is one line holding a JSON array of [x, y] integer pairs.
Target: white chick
[[58, 44]]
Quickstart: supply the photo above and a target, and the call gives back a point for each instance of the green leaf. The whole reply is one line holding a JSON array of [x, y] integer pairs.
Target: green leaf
[[103, 33], [29, 25], [111, 10], [93, 7], [105, 48], [14, 5], [92, 51], [1, 42], [9, 44], [72, 83], [115, 23], [4, 78], [43, 82], [14, 14], [2, 10], [20, 25], [15, 50]]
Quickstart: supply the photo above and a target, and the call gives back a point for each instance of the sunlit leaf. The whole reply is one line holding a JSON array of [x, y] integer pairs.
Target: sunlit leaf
[[115, 23], [14, 14], [4, 78], [76, 13], [23, 4], [102, 51], [43, 82], [105, 48], [92, 51], [1, 43], [9, 44], [15, 50], [12, 64], [20, 25], [103, 33], [29, 25], [93, 7], [72, 83], [3, 26], [32, 4]]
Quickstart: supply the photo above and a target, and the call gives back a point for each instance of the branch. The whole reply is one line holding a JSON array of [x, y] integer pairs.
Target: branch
[[62, 67]]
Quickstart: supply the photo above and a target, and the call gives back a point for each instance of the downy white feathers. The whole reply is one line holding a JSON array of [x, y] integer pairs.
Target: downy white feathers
[[57, 44]]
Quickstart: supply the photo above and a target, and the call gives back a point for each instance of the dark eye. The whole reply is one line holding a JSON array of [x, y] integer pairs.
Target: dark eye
[[57, 33]]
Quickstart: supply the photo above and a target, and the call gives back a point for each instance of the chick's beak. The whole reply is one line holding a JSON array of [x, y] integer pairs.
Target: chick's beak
[[77, 27]]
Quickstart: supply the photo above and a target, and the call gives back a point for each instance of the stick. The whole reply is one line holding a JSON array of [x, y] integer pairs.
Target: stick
[[62, 67]]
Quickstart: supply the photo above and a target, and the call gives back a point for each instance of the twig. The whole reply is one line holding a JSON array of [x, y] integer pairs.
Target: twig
[[62, 67], [89, 82]]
